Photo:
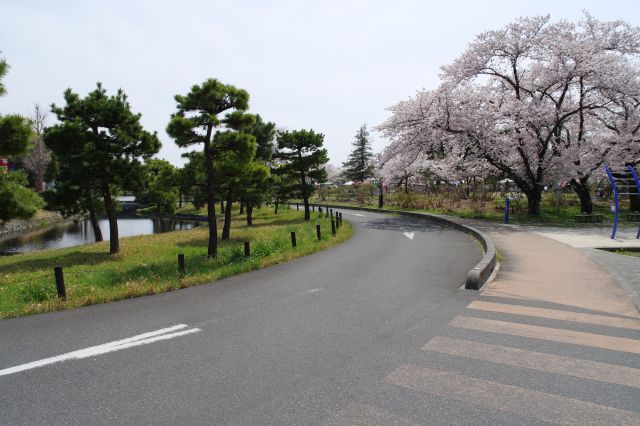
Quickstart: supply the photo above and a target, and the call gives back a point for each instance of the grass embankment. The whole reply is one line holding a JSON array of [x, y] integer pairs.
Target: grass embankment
[[550, 215], [148, 264]]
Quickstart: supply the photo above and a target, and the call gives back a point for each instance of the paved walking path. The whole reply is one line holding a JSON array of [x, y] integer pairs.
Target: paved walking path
[[625, 269], [539, 268]]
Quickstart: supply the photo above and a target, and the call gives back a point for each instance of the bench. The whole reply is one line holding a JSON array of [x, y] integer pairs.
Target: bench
[[588, 218]]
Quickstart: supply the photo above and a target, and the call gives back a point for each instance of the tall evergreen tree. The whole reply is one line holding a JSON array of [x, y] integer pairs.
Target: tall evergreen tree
[[301, 154], [99, 142], [160, 187], [358, 166], [195, 122]]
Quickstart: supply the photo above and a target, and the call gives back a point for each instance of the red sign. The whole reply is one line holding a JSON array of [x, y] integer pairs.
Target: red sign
[[4, 165]]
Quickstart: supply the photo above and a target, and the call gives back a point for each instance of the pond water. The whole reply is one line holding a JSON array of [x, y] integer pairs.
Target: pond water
[[75, 234]]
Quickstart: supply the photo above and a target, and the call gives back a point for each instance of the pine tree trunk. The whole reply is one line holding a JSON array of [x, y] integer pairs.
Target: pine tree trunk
[[95, 224], [241, 207], [212, 249], [226, 228], [276, 210], [114, 241], [581, 188], [249, 214]]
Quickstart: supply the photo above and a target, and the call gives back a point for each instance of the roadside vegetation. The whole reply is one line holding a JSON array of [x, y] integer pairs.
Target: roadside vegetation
[[471, 203], [148, 265], [626, 252]]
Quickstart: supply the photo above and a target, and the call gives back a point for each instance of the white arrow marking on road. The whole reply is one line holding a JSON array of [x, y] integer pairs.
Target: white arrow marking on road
[[140, 339], [409, 235]]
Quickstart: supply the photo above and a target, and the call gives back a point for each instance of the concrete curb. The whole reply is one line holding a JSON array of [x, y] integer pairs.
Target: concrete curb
[[480, 273]]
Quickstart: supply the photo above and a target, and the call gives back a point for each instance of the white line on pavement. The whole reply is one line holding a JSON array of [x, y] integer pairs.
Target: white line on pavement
[[409, 235], [356, 214], [138, 340]]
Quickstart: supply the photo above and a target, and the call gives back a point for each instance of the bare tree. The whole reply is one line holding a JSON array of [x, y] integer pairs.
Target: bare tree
[[38, 159]]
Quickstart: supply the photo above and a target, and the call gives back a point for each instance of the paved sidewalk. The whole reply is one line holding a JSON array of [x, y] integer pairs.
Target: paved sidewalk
[[543, 264], [582, 237], [535, 267]]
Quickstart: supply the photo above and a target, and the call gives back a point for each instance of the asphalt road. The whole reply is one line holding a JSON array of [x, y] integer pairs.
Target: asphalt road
[[337, 337]]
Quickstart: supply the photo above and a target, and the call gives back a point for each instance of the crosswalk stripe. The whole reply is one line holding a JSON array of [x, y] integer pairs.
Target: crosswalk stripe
[[581, 368], [555, 314], [366, 415], [508, 398], [548, 333]]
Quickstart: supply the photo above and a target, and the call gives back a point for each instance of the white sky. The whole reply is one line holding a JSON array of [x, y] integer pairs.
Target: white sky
[[326, 65]]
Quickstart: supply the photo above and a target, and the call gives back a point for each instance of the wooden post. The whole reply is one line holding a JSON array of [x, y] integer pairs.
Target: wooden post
[[247, 249], [62, 292], [333, 227], [181, 268], [294, 243], [318, 232]]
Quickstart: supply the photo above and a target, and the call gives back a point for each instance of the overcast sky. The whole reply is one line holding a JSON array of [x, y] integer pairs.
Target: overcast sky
[[326, 65]]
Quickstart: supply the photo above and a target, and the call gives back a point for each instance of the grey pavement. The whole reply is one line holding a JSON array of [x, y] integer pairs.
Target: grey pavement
[[373, 331], [625, 269]]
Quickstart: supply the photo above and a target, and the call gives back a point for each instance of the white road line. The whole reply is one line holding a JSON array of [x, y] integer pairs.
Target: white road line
[[138, 340], [559, 335], [575, 367], [409, 235], [356, 214], [508, 398], [506, 308], [313, 290]]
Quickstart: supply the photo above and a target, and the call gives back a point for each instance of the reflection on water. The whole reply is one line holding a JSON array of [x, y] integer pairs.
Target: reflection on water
[[74, 234]]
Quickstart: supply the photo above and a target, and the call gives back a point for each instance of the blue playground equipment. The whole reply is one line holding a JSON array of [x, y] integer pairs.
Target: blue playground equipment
[[622, 182]]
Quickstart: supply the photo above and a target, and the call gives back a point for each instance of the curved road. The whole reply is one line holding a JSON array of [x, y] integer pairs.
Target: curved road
[[333, 338]]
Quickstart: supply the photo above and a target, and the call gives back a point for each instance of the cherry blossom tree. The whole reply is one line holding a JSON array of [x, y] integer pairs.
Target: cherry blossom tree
[[530, 101]]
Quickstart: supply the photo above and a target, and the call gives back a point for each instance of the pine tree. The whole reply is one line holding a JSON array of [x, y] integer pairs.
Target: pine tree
[[301, 154], [358, 166], [196, 122], [98, 146]]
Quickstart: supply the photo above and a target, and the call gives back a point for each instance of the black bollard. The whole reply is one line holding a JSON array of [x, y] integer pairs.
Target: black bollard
[[318, 232], [247, 249], [294, 243], [333, 227], [181, 269], [62, 292]]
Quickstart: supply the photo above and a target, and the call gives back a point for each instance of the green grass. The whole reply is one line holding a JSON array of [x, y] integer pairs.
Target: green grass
[[148, 264], [626, 252]]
